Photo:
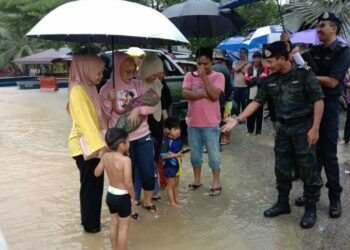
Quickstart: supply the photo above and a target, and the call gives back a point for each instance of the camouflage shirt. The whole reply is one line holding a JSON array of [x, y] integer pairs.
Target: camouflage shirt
[[292, 94]]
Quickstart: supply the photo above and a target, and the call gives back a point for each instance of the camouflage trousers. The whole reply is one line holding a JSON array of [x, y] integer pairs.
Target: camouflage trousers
[[292, 151]]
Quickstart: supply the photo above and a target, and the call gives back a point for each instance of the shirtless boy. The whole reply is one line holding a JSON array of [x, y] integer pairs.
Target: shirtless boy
[[121, 190]]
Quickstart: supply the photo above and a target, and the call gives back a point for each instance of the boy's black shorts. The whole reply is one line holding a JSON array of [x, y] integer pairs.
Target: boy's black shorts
[[120, 204]]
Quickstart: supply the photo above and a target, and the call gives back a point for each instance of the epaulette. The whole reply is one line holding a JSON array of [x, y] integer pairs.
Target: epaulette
[[342, 45], [303, 67]]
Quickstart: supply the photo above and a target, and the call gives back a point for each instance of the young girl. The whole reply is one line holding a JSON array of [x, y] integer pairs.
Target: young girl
[[120, 191]]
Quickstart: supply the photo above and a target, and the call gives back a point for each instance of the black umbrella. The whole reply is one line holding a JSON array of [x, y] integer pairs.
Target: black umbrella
[[200, 18]]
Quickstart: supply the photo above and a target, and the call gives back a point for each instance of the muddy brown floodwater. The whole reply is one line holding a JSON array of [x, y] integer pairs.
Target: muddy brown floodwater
[[39, 187]]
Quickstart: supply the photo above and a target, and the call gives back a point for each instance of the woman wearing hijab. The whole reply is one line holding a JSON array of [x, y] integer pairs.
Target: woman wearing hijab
[[86, 143], [141, 143], [149, 72]]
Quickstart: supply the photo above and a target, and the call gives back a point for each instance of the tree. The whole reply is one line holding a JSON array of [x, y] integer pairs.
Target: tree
[[303, 14], [16, 19], [258, 14]]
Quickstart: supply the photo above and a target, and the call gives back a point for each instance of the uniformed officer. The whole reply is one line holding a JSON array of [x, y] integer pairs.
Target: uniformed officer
[[329, 62], [297, 100]]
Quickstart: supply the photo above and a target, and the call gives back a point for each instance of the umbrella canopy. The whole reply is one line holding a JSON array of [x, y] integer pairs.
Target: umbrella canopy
[[231, 4], [263, 35], [309, 36], [255, 41], [200, 18], [107, 21], [46, 57], [232, 43]]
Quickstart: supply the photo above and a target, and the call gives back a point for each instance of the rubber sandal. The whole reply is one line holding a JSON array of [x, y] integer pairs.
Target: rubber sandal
[[151, 208], [135, 216], [215, 191], [194, 186]]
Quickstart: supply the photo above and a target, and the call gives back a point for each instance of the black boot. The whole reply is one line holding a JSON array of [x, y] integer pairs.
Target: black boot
[[300, 201], [282, 207], [335, 209], [310, 216]]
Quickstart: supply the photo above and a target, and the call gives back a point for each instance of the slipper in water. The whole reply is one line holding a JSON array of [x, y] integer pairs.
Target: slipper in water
[[135, 216], [215, 191], [194, 186], [151, 208]]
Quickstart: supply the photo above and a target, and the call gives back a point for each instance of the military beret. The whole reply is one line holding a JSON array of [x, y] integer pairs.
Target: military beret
[[329, 16], [275, 48]]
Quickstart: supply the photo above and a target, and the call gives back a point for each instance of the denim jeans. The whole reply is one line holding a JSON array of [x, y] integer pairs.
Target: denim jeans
[[208, 137]]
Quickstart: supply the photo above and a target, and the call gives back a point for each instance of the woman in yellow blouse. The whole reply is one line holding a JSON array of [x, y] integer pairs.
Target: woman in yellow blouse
[[86, 143]]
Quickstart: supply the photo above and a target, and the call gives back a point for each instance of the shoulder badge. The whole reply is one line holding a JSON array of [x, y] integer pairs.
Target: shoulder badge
[[267, 53]]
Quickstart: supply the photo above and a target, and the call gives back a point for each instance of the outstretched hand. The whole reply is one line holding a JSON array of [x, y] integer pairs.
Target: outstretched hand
[[230, 123]]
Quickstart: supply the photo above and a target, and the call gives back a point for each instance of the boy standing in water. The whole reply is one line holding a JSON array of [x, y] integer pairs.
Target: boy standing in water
[[171, 154], [121, 190]]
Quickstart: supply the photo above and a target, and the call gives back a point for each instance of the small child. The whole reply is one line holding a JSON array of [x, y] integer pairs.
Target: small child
[[121, 190], [171, 154]]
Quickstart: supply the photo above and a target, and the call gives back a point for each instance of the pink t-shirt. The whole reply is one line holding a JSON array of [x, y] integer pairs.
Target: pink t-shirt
[[203, 112]]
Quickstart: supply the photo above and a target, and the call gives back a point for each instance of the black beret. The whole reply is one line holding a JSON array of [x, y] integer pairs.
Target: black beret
[[257, 54], [329, 16], [275, 48]]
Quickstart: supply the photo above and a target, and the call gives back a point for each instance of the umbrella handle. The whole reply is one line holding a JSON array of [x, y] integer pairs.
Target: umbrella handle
[[113, 80]]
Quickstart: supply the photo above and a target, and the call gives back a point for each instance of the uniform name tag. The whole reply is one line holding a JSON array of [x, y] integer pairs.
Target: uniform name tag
[[272, 85], [295, 82]]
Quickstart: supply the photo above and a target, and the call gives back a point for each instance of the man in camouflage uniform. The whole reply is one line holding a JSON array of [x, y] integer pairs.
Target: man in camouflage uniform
[[297, 99]]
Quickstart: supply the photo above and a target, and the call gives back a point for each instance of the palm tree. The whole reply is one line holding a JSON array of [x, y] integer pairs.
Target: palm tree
[[303, 14]]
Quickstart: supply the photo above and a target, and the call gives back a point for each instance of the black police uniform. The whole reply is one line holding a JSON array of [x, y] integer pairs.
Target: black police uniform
[[331, 61]]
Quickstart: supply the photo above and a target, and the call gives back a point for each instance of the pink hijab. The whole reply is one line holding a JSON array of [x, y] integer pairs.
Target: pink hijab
[[83, 71], [119, 58]]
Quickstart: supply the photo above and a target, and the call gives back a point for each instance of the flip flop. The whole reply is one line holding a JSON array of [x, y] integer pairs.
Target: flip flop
[[135, 216], [215, 191], [151, 208], [194, 186]]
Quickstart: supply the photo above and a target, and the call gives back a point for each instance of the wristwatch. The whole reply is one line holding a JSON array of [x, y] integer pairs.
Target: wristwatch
[[238, 120]]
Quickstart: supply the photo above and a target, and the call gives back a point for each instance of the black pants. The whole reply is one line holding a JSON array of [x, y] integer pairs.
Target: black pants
[[91, 191], [255, 120], [347, 125], [240, 96], [327, 147]]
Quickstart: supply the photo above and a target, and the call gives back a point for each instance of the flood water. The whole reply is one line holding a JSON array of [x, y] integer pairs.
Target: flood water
[[39, 192]]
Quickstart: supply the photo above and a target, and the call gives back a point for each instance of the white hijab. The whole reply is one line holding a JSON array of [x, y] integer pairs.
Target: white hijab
[[152, 64]]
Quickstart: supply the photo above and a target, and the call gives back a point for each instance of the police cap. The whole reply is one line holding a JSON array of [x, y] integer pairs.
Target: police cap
[[278, 48], [329, 16]]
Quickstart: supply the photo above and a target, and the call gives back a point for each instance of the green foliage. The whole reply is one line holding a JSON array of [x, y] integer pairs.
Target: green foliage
[[17, 17], [258, 14], [302, 13]]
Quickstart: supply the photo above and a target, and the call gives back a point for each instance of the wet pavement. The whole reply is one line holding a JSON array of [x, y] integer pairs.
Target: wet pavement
[[39, 186]]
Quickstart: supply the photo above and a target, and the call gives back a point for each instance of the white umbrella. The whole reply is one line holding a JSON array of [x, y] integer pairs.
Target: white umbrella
[[107, 21]]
